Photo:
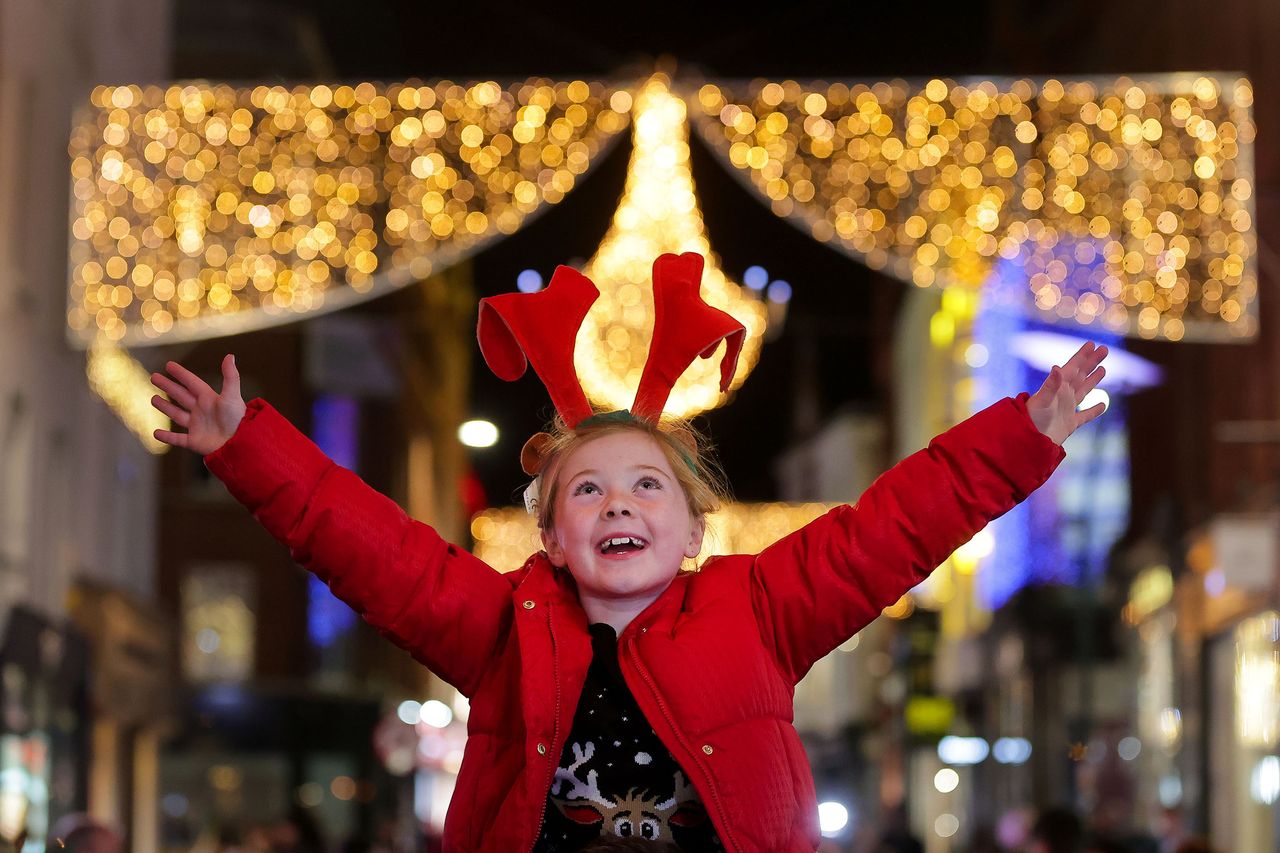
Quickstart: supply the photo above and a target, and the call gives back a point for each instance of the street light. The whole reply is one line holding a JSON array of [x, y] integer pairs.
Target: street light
[[832, 818], [478, 433]]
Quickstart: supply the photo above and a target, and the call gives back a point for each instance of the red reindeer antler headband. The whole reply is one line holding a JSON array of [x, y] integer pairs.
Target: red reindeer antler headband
[[518, 329]]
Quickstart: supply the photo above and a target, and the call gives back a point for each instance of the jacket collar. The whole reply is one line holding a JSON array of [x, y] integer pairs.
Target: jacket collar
[[548, 584], [545, 583]]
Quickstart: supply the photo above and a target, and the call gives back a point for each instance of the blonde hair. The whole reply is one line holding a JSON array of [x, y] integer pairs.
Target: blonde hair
[[687, 451]]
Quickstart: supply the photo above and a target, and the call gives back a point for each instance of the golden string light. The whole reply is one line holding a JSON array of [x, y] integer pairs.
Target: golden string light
[[658, 213], [1123, 203], [201, 210], [471, 164]]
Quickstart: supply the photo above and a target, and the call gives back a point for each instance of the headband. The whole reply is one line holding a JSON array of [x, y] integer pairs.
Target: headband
[[516, 330]]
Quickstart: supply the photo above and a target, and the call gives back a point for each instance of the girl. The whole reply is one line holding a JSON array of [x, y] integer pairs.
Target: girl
[[611, 692]]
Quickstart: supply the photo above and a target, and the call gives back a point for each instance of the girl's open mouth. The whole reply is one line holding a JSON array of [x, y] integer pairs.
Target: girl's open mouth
[[619, 545]]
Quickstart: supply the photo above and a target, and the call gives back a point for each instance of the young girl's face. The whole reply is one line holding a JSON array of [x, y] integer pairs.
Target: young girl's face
[[622, 521]]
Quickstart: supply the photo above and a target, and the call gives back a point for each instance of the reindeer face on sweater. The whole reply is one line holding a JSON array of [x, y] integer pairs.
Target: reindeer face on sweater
[[615, 776], [636, 814]]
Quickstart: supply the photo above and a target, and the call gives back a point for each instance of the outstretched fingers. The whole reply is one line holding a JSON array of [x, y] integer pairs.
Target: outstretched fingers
[[177, 414], [176, 392], [1095, 358], [1091, 373], [1078, 358], [230, 377], [173, 439], [1085, 359], [194, 384], [1083, 417], [1048, 389], [1090, 382], [1083, 371]]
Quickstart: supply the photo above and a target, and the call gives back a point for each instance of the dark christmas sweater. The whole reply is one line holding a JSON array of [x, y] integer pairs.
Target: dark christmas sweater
[[615, 776]]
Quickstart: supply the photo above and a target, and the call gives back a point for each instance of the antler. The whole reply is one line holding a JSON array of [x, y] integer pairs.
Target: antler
[[541, 329], [684, 327], [516, 329], [683, 793], [588, 790]]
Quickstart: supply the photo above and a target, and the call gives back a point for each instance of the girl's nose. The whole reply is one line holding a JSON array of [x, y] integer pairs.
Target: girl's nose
[[617, 508]]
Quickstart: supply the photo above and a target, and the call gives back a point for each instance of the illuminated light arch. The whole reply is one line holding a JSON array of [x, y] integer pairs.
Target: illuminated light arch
[[935, 181], [201, 210]]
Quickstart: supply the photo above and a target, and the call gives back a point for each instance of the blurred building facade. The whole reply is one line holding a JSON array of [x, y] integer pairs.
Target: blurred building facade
[[77, 491], [289, 700]]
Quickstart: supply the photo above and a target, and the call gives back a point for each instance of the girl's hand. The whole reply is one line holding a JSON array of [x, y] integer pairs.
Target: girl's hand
[[209, 418], [1053, 407]]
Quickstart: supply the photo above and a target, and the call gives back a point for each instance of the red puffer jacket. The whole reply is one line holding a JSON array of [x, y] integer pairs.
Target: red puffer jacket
[[712, 662]]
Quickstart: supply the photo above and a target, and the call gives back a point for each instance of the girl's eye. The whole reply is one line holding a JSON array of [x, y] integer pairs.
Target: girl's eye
[[586, 489], [650, 483]]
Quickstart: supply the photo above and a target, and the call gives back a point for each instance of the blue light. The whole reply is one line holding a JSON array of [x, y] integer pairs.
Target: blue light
[[963, 751], [755, 278], [1064, 532], [327, 617], [174, 805], [1012, 750], [779, 292], [529, 281], [335, 428], [335, 425], [224, 697]]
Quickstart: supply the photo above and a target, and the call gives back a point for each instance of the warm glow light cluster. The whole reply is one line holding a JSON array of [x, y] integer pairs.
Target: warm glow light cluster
[[201, 210], [1122, 203], [658, 213], [504, 538], [125, 386], [1258, 680]]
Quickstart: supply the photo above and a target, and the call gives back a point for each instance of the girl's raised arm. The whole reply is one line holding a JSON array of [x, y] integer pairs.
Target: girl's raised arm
[[209, 417], [448, 609], [819, 585]]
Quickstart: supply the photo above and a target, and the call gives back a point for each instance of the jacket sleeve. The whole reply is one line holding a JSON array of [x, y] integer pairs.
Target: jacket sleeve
[[446, 607], [814, 588]]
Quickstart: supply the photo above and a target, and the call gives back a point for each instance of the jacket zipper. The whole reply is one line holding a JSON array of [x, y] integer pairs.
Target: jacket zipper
[[715, 794], [554, 756]]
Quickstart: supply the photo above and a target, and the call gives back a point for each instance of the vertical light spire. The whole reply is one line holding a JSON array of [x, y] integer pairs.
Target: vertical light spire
[[658, 213]]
